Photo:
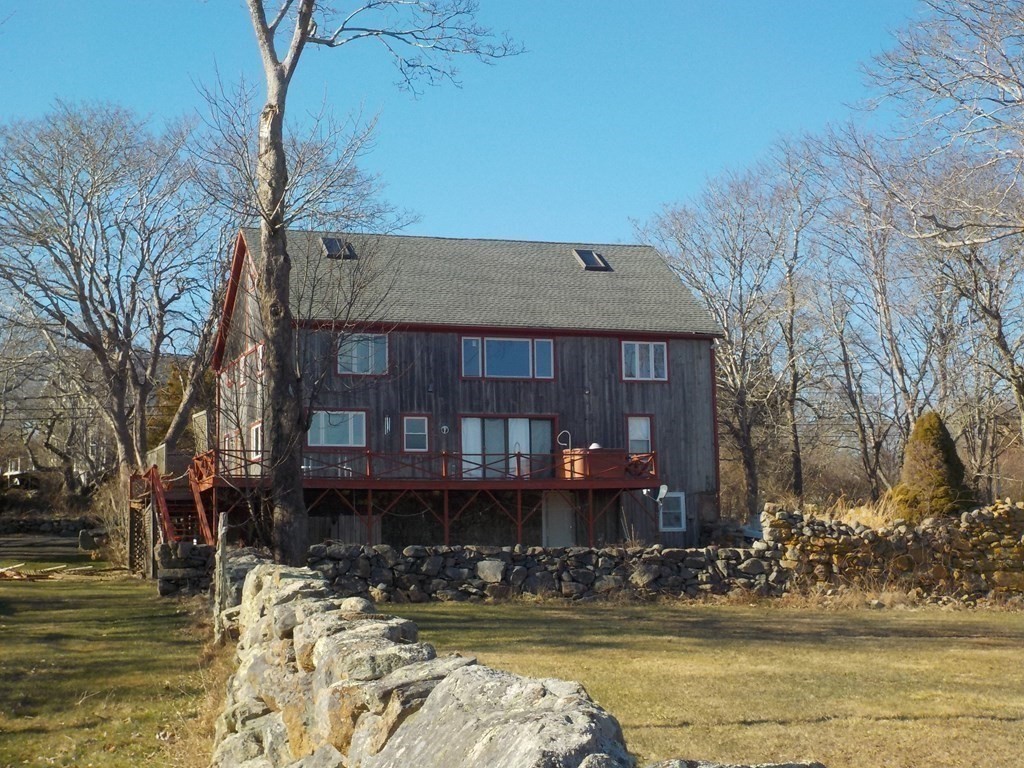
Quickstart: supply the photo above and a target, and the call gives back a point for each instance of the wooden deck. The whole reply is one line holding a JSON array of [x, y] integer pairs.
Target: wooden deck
[[576, 469]]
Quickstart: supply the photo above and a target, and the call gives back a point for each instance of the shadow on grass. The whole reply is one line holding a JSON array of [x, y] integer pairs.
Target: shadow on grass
[[613, 627]]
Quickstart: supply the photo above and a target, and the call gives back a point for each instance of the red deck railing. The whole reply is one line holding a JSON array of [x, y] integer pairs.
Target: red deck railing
[[184, 520], [440, 466]]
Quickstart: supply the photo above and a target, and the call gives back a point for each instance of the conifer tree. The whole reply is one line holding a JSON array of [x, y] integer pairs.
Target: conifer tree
[[932, 478]]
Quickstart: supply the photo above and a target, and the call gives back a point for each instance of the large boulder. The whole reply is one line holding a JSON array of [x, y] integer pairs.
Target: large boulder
[[480, 716]]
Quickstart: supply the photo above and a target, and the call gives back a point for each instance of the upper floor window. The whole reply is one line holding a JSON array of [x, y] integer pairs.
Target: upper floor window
[[364, 354], [644, 361], [256, 442], [337, 429], [500, 358]]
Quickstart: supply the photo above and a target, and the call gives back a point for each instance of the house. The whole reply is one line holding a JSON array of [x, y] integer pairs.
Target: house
[[466, 391]]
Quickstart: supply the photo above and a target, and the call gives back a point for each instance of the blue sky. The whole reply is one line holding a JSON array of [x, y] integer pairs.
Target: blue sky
[[616, 109]]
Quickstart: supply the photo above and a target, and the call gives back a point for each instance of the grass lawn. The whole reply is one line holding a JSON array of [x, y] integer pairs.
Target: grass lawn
[[94, 668], [760, 683]]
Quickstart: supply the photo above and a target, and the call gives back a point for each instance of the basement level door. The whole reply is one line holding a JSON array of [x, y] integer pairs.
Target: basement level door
[[559, 520]]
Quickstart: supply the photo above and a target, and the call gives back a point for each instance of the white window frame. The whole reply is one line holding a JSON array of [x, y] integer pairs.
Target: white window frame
[[479, 357], [682, 513], [533, 363], [631, 349], [374, 339], [316, 426], [261, 374], [256, 442], [406, 432], [629, 432]]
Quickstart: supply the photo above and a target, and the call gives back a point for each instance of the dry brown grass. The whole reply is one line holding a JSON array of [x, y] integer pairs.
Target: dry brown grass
[[194, 721], [763, 682]]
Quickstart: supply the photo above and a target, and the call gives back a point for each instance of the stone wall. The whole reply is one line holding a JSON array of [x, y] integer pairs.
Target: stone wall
[[184, 568], [978, 553], [59, 526], [420, 574], [324, 681]]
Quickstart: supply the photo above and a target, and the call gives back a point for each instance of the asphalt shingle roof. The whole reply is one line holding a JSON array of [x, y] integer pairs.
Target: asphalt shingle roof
[[490, 283]]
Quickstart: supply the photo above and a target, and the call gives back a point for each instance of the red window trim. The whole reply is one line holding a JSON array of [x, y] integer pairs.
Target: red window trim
[[483, 339], [426, 432], [622, 360], [326, 448], [650, 421], [387, 355]]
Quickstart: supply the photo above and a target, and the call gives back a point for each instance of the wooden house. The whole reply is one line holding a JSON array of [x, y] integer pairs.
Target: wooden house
[[477, 392]]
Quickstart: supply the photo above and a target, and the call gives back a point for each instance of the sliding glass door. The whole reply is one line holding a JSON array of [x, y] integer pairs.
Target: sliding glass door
[[495, 447]]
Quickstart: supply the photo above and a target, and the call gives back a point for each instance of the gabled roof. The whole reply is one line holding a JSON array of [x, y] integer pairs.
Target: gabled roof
[[491, 283]]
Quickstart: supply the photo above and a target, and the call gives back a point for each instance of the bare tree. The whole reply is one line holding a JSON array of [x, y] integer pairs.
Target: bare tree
[[857, 385], [798, 194], [104, 255], [725, 247], [957, 74], [981, 413], [422, 38]]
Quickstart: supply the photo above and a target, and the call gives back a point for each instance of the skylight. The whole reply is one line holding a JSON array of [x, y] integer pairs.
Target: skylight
[[591, 260], [336, 248]]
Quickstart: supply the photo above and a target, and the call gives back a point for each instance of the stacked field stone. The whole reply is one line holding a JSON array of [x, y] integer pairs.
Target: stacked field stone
[[184, 567], [980, 551], [420, 574]]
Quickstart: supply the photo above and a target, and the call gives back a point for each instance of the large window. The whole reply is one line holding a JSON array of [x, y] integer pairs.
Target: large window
[[644, 361], [363, 354], [639, 434], [414, 431], [499, 358], [499, 447], [673, 512], [337, 429]]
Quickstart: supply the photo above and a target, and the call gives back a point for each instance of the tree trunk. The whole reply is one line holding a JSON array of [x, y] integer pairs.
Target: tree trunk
[[742, 431], [797, 484], [284, 387], [749, 458]]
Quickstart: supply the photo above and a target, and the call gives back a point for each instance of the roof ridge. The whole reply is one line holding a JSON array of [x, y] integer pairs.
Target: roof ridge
[[328, 232]]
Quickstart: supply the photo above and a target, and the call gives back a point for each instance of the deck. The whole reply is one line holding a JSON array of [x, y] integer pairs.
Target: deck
[[572, 469]]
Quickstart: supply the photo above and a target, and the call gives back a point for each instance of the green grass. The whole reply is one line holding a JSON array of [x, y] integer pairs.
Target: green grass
[[93, 668], [766, 683]]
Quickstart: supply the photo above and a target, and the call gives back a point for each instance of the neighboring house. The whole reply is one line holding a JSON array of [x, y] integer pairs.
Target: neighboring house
[[51, 425], [460, 390]]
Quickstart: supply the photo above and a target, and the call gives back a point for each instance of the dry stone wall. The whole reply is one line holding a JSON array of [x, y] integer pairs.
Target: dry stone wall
[[421, 574], [324, 681], [183, 567], [981, 552]]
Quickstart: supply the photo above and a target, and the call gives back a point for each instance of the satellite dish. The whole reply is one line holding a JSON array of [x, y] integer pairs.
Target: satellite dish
[[657, 495]]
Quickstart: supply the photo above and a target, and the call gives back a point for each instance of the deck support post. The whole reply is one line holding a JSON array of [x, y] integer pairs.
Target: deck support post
[[590, 517], [447, 521], [519, 515], [369, 518]]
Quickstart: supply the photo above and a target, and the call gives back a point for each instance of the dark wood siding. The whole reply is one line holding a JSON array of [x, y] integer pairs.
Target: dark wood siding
[[587, 397]]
